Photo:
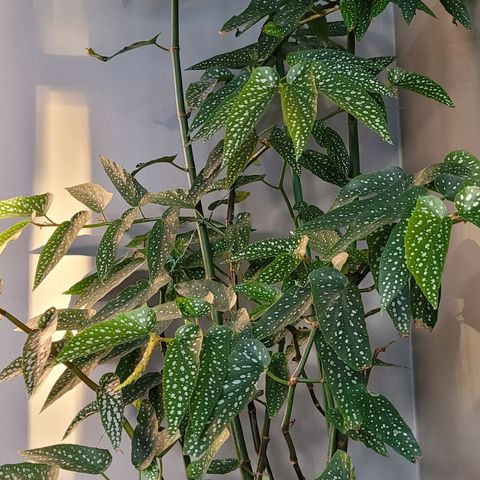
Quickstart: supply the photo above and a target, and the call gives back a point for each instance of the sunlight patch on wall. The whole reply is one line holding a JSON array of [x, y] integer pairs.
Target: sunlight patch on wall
[[63, 159], [62, 27]]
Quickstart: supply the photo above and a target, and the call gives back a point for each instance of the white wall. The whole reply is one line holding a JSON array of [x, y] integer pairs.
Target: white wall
[[60, 110]]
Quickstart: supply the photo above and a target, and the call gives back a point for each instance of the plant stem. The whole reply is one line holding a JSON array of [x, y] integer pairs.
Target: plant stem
[[353, 124], [241, 447], [262, 454], [104, 475]]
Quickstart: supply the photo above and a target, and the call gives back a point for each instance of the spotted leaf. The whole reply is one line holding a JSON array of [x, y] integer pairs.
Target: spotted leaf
[[12, 370], [324, 167], [243, 57], [255, 11], [248, 107], [267, 248], [409, 8], [198, 91], [152, 472], [340, 467], [175, 197], [110, 405], [213, 370], [467, 202], [237, 234], [299, 104], [238, 160], [36, 350], [276, 392], [90, 409], [426, 245], [126, 185], [459, 11], [419, 84], [120, 329], [221, 467], [285, 311], [259, 292], [92, 195], [161, 241], [400, 311], [75, 458], [108, 247], [192, 307], [29, 471], [37, 205], [144, 437], [283, 145], [180, 373], [222, 297], [12, 233], [339, 311], [68, 319], [58, 245], [278, 269], [424, 315]]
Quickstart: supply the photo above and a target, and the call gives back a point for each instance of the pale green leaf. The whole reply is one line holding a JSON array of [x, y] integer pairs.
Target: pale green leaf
[[12, 233], [36, 205], [467, 202], [222, 297], [192, 307], [92, 195], [12, 370]]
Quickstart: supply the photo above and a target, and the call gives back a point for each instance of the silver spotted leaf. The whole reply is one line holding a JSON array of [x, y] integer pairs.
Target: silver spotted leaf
[[110, 406], [426, 245], [324, 167], [340, 467], [75, 458], [221, 297], [92, 195], [419, 84], [175, 197], [36, 205], [459, 11], [116, 331], [424, 315], [161, 241], [285, 311], [144, 439], [36, 351], [198, 91], [89, 409], [255, 11], [278, 269], [237, 161], [223, 466], [126, 185], [242, 57], [237, 234], [193, 307], [138, 389], [329, 139], [216, 348], [276, 392], [68, 319], [29, 471], [58, 245], [339, 311], [259, 292], [267, 248], [180, 372], [247, 109], [467, 202], [152, 472], [12, 233], [12, 370], [283, 145]]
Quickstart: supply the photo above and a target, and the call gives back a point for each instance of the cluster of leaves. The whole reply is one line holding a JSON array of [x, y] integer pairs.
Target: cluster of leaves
[[271, 301]]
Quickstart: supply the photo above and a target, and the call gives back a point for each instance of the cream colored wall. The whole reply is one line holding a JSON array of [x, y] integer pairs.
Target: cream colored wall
[[447, 380]]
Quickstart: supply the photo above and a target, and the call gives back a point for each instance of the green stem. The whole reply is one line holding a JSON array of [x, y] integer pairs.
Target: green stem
[[262, 454], [241, 447], [353, 124]]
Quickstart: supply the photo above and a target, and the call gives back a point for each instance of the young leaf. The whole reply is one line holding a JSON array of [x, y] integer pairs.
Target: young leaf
[[110, 405], [36, 350], [426, 245], [248, 107], [180, 373], [75, 458], [339, 311], [120, 329], [340, 467], [144, 437], [419, 84], [211, 376], [299, 104], [37, 205], [276, 392], [198, 91], [12, 233], [285, 311], [29, 471], [58, 245], [467, 202], [127, 186], [108, 247], [92, 195], [161, 241]]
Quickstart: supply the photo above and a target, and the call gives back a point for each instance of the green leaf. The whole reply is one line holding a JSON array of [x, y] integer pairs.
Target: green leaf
[[152, 472], [180, 373], [255, 11], [29, 471], [259, 292], [467, 202], [37, 205], [426, 245], [285, 311], [92, 195], [299, 104], [248, 107], [110, 406], [268, 248], [75, 458], [459, 11], [283, 145], [409, 8], [324, 167], [139, 388], [197, 468], [198, 91], [276, 392], [169, 198], [240, 196], [120, 329], [349, 11], [144, 437], [340, 467], [419, 84], [247, 361], [222, 297], [36, 350], [400, 311], [425, 316], [12, 370], [12, 233], [91, 289], [239, 159], [279, 269], [192, 307], [126, 185], [84, 413], [339, 311], [68, 319], [108, 247], [58, 245], [237, 234], [242, 57], [221, 467], [213, 370], [161, 241]]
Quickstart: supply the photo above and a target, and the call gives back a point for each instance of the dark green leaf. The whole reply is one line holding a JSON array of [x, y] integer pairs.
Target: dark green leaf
[[324, 167], [279, 269], [37, 205], [29, 471], [12, 370], [144, 437], [425, 316], [276, 392], [237, 161], [92, 195], [110, 406], [221, 467], [260, 292], [459, 11], [255, 11], [243, 57], [237, 234], [329, 139], [283, 145], [84, 413], [340, 467]]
